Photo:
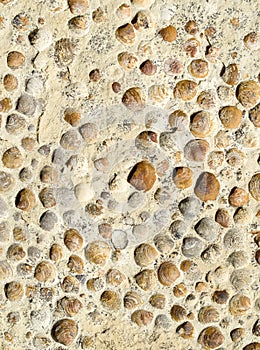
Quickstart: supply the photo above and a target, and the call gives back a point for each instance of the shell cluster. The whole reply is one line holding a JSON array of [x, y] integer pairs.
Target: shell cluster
[[129, 177]]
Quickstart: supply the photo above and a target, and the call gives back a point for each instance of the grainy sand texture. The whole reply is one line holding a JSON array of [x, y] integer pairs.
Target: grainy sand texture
[[129, 175]]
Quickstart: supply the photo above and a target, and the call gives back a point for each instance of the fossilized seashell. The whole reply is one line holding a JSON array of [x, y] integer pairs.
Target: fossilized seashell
[[146, 139], [56, 252], [65, 331], [127, 60], [98, 252], [239, 305], [223, 218], [64, 51], [134, 99], [70, 284], [76, 264], [163, 243], [254, 186], [196, 150], [142, 176], [70, 305], [14, 291], [230, 117], [185, 330], [6, 181], [78, 7], [5, 270], [231, 74], [168, 273], [15, 252], [73, 240], [198, 68], [211, 337], [146, 279], [207, 187], [25, 200], [182, 177], [45, 271], [201, 124], [142, 317], [248, 93], [252, 41], [145, 254], [95, 284], [158, 301], [178, 313], [178, 120], [115, 277], [185, 90], [110, 300], [254, 115], [238, 197], [132, 300], [158, 93], [126, 34], [208, 314]]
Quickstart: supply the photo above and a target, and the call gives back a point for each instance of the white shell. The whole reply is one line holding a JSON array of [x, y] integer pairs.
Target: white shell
[[84, 192], [41, 39], [158, 93]]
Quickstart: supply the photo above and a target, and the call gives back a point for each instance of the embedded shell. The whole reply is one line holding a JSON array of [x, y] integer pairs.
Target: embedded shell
[[98, 252], [65, 331]]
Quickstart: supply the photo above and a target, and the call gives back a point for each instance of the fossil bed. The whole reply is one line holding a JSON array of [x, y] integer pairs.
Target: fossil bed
[[83, 100]]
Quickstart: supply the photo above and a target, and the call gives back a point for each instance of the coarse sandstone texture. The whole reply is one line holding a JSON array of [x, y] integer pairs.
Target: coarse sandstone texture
[[129, 175]]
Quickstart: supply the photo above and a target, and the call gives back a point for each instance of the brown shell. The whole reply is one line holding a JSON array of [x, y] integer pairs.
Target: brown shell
[[47, 197], [252, 346], [127, 60], [191, 47], [148, 68], [206, 99], [78, 7], [230, 117], [201, 124], [16, 252], [168, 33], [182, 177], [126, 34], [71, 116], [64, 51], [78, 24], [207, 187], [185, 90], [12, 158], [231, 74], [95, 284], [111, 300], [196, 150], [208, 314], [168, 273], [185, 330], [158, 301], [142, 317], [180, 290], [5, 270], [211, 337], [14, 291], [45, 271], [254, 186], [76, 264], [223, 218], [73, 240], [134, 99], [254, 115], [48, 175], [142, 20], [70, 305], [132, 300], [237, 334], [238, 197], [70, 284], [145, 254], [65, 331], [15, 59], [98, 252], [10, 82], [178, 120], [146, 139], [198, 68], [5, 105], [142, 176], [248, 93], [115, 277], [146, 279], [25, 200], [56, 252], [239, 305], [178, 313]]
